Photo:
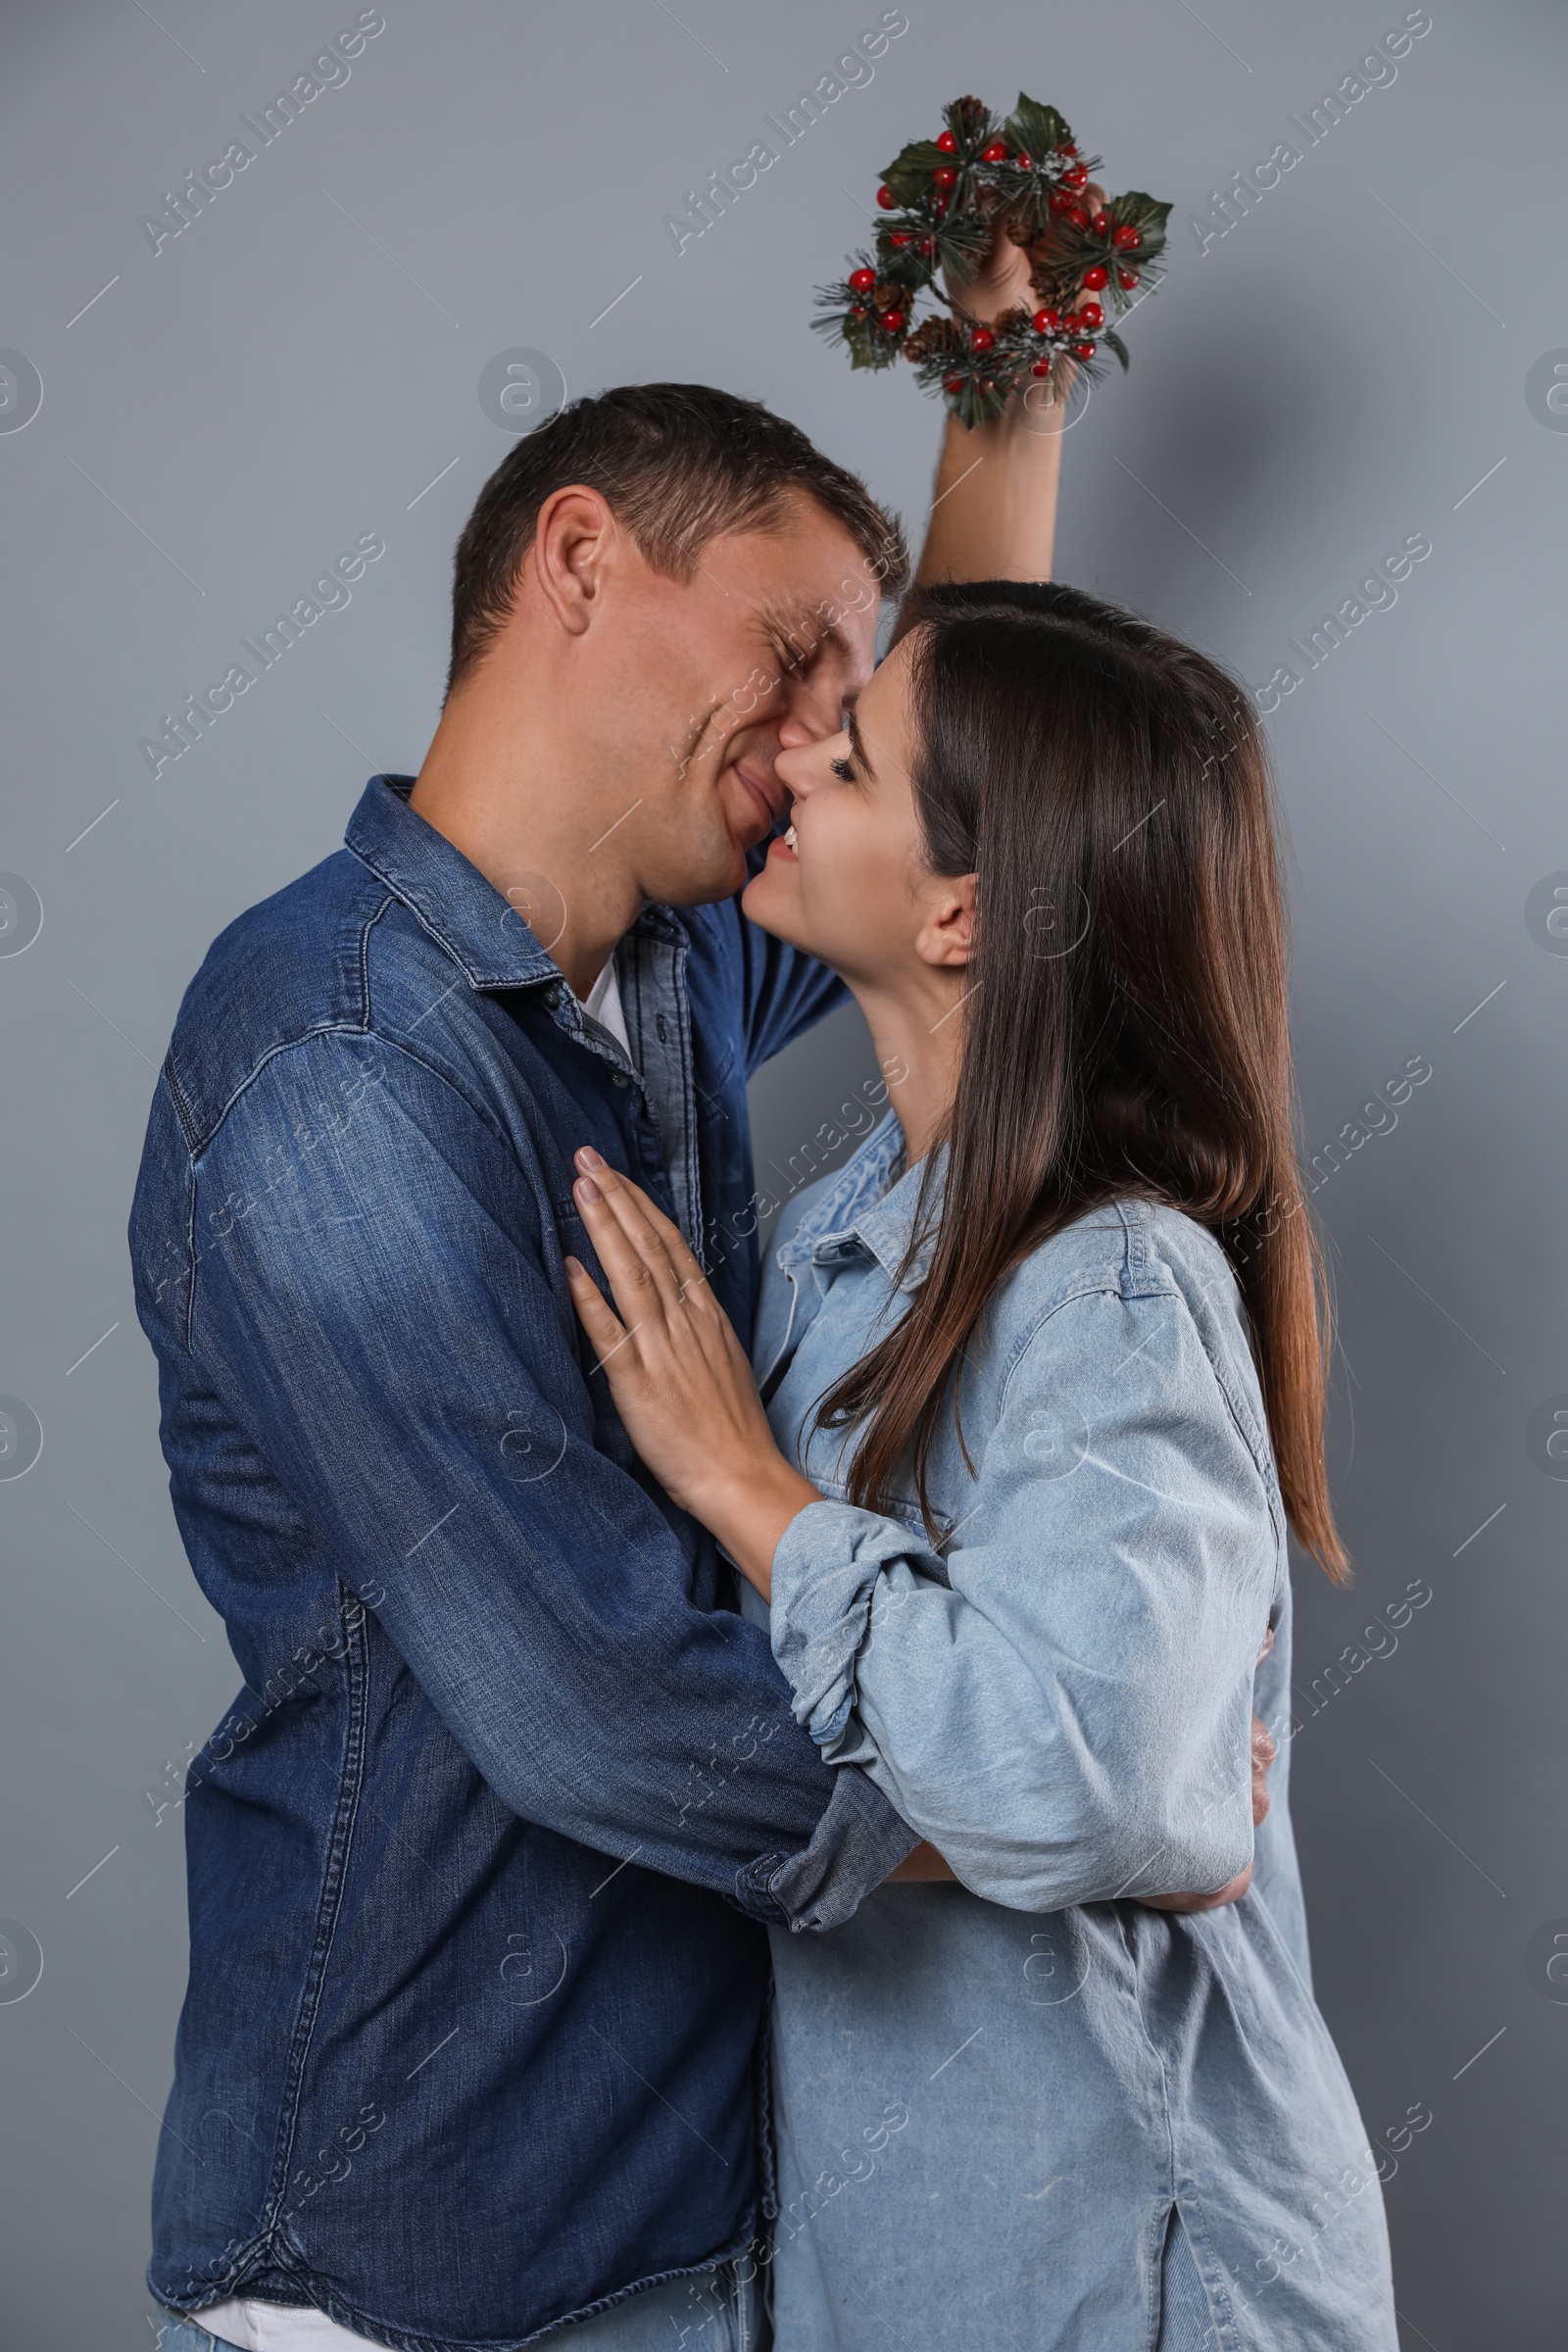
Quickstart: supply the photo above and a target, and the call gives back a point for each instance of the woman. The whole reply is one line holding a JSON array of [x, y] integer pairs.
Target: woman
[[1042, 1380]]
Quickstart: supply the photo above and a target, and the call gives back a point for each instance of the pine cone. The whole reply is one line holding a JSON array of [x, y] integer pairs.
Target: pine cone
[[936, 339]]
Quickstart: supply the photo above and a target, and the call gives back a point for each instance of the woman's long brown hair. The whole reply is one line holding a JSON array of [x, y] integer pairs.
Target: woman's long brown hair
[[1125, 1022]]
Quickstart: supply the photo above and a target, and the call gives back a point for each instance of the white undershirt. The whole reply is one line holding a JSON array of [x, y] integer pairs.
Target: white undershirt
[[280, 2328], [292, 2328], [603, 1002]]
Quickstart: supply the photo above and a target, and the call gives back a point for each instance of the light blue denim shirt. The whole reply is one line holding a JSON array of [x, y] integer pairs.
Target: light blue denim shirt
[[990, 2097]]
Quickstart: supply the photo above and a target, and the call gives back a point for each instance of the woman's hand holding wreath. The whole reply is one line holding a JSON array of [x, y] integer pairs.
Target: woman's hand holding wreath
[[1036, 258]]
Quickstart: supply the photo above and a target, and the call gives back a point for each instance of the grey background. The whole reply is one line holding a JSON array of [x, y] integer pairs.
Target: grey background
[[1335, 373]]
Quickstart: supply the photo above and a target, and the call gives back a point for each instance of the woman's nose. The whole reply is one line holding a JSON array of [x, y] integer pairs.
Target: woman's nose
[[801, 771], [792, 767]]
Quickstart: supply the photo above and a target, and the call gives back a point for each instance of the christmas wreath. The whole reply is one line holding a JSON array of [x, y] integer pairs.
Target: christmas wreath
[[944, 200]]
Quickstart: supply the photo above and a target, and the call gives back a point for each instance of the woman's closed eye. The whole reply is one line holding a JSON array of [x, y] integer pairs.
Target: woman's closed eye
[[844, 769]]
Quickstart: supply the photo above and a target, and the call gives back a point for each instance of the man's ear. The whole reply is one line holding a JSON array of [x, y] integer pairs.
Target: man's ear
[[573, 552], [947, 935]]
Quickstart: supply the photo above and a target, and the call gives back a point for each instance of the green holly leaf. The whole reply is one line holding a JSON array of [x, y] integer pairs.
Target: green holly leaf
[[909, 175], [905, 266], [1145, 214], [1035, 130], [869, 346]]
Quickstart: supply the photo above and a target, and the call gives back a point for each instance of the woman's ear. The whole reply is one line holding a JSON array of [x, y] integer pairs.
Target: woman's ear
[[945, 936]]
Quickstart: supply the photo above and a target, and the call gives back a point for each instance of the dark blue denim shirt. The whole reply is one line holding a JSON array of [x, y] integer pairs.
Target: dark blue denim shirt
[[481, 1858]]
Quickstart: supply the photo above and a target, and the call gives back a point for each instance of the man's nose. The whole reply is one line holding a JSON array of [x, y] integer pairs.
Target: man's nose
[[794, 732]]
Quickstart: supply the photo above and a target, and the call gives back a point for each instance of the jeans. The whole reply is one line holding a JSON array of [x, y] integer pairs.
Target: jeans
[[715, 2310]]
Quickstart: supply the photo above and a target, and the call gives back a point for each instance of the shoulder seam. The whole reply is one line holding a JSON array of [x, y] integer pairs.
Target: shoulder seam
[[346, 1029], [287, 1044], [1101, 1289], [198, 1142], [1173, 1290]]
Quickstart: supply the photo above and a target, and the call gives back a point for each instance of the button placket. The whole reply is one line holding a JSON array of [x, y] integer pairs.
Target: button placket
[[653, 992]]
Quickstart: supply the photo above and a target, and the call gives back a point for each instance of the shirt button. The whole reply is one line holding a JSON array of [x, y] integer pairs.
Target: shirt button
[[618, 1078], [553, 996]]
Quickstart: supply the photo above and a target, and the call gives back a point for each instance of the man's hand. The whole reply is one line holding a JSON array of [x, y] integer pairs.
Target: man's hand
[[921, 1865]]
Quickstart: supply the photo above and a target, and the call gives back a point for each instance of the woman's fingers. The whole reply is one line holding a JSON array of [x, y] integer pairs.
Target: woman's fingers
[[603, 1326], [632, 1279], [688, 1271], [659, 1243]]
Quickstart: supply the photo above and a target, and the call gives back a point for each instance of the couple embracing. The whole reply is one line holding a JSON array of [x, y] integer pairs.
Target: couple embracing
[[744, 1821]]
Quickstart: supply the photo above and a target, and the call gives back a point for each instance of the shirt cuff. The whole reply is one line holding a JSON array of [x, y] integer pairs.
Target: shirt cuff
[[858, 1840], [825, 1572]]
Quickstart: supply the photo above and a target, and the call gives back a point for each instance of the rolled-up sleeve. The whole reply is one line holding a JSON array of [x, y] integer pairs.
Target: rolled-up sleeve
[[1061, 1701]]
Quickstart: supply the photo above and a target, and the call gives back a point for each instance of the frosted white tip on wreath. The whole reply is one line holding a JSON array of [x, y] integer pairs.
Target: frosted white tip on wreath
[[944, 199]]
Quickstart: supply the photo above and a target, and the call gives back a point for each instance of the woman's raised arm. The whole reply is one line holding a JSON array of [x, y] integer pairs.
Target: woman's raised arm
[[994, 502]]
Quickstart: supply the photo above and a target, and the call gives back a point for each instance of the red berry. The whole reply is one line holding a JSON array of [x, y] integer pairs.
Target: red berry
[[947, 178], [890, 321], [1078, 217], [947, 142], [1127, 278], [926, 245], [863, 280], [1097, 278], [858, 309], [898, 237], [1025, 163], [1046, 321], [1068, 147], [1125, 237], [982, 339], [1092, 315], [953, 383], [1100, 224], [1083, 351], [1077, 176], [885, 199], [1042, 368], [996, 153], [1057, 202]]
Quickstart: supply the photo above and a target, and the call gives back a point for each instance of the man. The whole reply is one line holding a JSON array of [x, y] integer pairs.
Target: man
[[480, 1861]]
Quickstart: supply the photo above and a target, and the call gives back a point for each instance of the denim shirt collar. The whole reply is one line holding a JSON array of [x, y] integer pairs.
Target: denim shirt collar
[[867, 1212], [479, 929]]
